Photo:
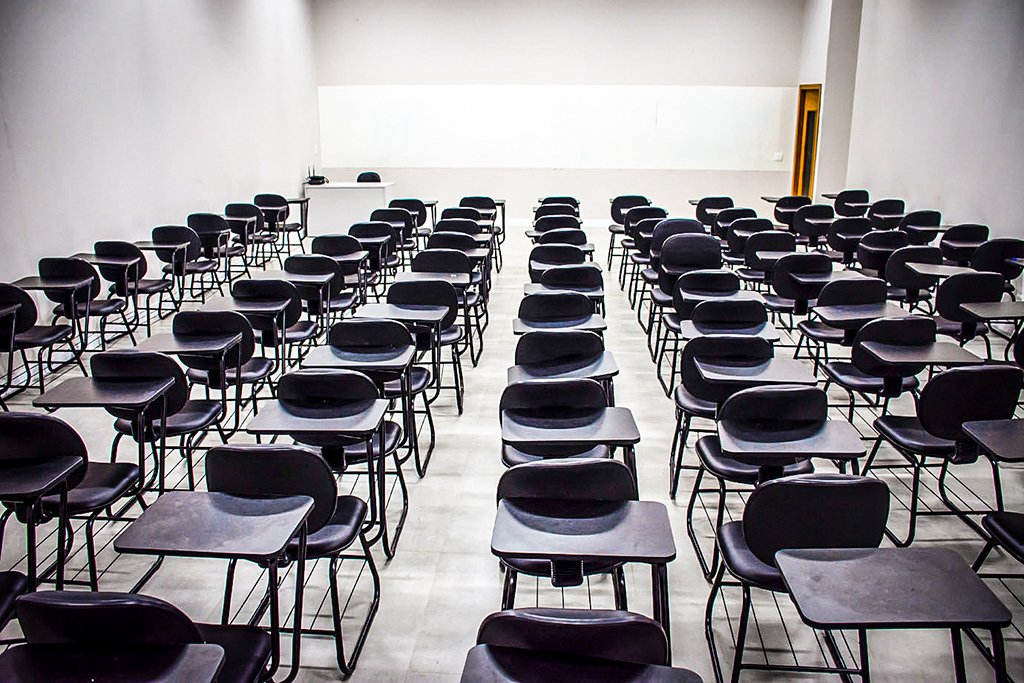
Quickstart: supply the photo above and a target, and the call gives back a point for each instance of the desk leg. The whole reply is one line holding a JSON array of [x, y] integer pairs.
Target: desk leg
[[300, 579], [659, 586], [275, 619], [62, 525], [30, 550], [865, 666], [999, 656], [959, 670]]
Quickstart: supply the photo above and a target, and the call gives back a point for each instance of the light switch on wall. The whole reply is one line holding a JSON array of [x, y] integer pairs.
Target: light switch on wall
[[777, 156]]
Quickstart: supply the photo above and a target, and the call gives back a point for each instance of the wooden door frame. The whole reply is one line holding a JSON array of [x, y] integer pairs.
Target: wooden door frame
[[798, 157]]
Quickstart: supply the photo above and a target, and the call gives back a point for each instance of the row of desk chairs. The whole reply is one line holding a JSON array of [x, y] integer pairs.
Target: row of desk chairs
[[768, 415]]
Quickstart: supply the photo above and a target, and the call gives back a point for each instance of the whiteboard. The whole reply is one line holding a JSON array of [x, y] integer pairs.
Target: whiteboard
[[555, 126]]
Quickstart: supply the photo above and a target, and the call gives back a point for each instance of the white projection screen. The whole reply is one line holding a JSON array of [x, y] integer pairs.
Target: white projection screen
[[555, 126]]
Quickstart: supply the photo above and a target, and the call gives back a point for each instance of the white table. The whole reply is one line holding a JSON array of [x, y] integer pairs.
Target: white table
[[336, 206]]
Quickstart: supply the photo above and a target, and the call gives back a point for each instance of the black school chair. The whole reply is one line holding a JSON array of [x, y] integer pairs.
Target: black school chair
[[959, 243], [844, 234], [216, 238], [385, 260], [993, 256], [404, 224], [135, 284], [186, 265], [966, 288], [75, 306], [544, 256], [330, 301], [786, 208], [737, 235], [845, 200], [294, 332], [708, 208], [472, 300], [907, 287], [917, 223], [881, 211], [934, 437], [808, 231], [807, 511], [276, 212], [557, 311], [356, 275], [620, 205], [725, 218], [334, 526], [557, 354], [755, 270], [569, 479], [419, 211], [851, 292], [368, 177], [130, 620], [875, 248]]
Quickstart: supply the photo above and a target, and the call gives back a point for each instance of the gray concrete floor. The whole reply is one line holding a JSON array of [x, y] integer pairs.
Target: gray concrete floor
[[444, 580]]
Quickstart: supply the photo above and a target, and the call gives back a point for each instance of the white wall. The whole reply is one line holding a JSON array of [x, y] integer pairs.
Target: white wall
[[814, 43], [938, 108], [556, 42], [118, 116]]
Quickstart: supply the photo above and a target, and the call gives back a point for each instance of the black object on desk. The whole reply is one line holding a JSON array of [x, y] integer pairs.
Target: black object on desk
[[221, 526], [894, 588], [193, 662]]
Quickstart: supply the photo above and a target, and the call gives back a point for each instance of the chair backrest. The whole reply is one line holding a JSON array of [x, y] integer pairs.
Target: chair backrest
[[643, 232], [400, 219], [433, 293], [569, 479], [815, 511], [414, 206], [853, 292], [368, 177], [114, 273], [766, 240], [573, 236], [554, 210], [32, 438], [847, 197], [557, 254], [585, 276], [133, 366], [274, 206], [555, 222], [119, 619], [724, 349], [554, 398], [441, 239], [685, 252], [70, 267], [771, 414], [272, 471], [913, 330], [598, 634], [875, 247], [467, 226], [315, 264], [667, 227], [210, 323], [241, 210], [26, 316], [355, 333], [809, 263], [740, 230], [625, 202], [442, 261], [562, 199], [324, 393], [706, 203], [966, 288], [786, 207], [479, 202], [639, 213], [966, 232], [725, 217], [555, 307], [844, 234], [960, 395], [886, 207], [564, 347], [715, 282], [813, 231], [466, 212], [729, 314], [992, 255], [177, 234], [898, 274], [277, 290], [206, 222], [335, 245], [376, 229], [919, 219]]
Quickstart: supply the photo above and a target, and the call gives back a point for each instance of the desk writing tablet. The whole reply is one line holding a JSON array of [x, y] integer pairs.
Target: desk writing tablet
[[494, 664], [215, 525], [147, 245], [693, 202], [611, 426], [410, 313], [454, 279], [1002, 440], [823, 278], [835, 440], [270, 307], [373, 241], [936, 353], [114, 261], [627, 531], [938, 269], [60, 283], [829, 195], [858, 315], [770, 199], [326, 356], [537, 288], [170, 343], [365, 417], [35, 478], [294, 278], [72, 663], [889, 588], [89, 392], [691, 330], [592, 323], [771, 256], [601, 368], [773, 371], [354, 257], [1002, 310], [739, 295]]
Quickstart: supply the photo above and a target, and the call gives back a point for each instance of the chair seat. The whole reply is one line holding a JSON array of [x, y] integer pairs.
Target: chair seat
[[750, 275], [649, 275], [660, 298], [848, 376], [41, 335], [779, 304], [743, 564], [228, 251], [100, 307], [253, 370], [543, 567], [734, 259], [104, 483], [672, 321], [449, 336], [907, 433], [337, 534], [709, 450], [820, 332], [469, 299], [12, 584], [688, 403], [150, 286], [301, 331], [952, 328], [246, 650], [616, 229], [195, 415], [512, 456], [192, 267], [900, 294], [1008, 529], [356, 453], [419, 380]]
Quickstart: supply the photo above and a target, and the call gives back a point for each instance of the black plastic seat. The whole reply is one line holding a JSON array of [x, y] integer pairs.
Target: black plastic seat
[[1007, 530], [296, 331], [186, 265], [125, 619], [947, 401], [791, 513], [807, 231], [331, 300], [334, 525], [568, 479], [709, 452]]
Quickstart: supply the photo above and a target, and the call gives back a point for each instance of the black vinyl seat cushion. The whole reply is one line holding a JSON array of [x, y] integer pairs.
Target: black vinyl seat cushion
[[742, 563], [195, 415], [100, 307], [616, 229], [193, 267], [774, 302], [952, 328], [104, 483], [1008, 529], [253, 370], [453, 334], [900, 294], [246, 650], [709, 450], [543, 567], [907, 433], [820, 332], [419, 380], [356, 453], [689, 403], [672, 321], [750, 275], [660, 298], [150, 286], [41, 335], [847, 375], [469, 299], [337, 534], [12, 584], [512, 456]]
